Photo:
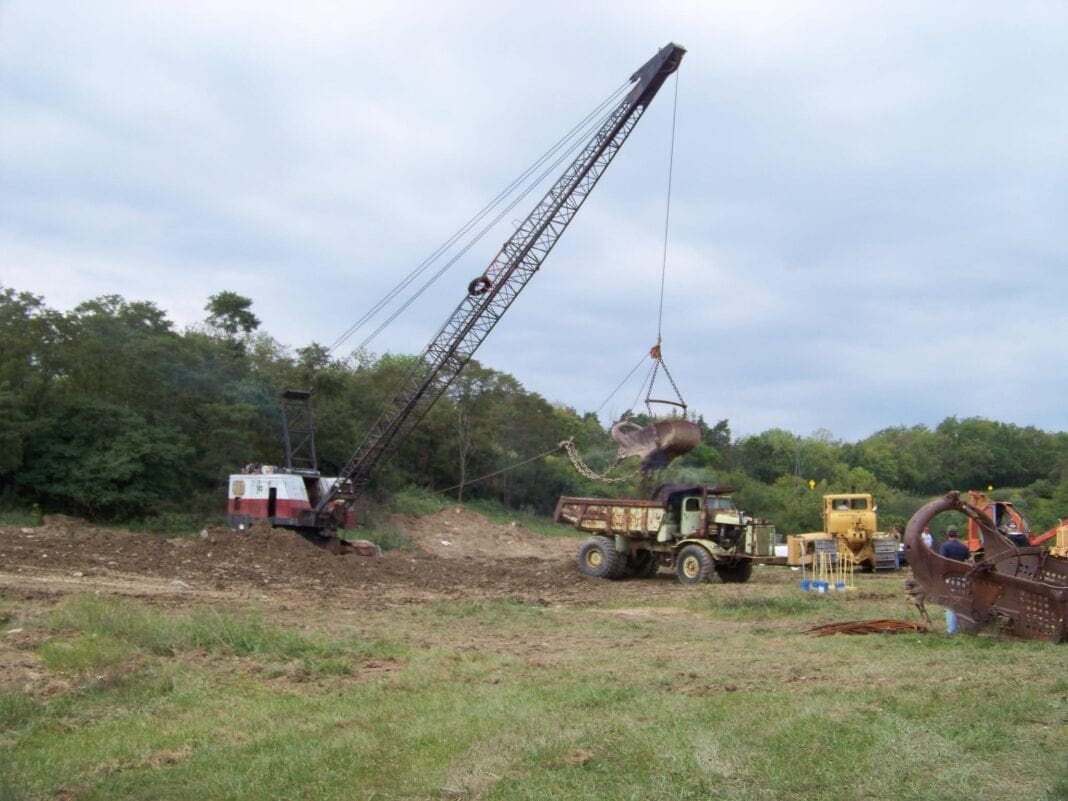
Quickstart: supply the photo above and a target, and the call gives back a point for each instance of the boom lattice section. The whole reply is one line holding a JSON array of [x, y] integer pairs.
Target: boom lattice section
[[491, 294]]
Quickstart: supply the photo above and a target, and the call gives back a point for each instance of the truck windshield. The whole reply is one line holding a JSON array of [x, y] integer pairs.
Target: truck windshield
[[714, 502]]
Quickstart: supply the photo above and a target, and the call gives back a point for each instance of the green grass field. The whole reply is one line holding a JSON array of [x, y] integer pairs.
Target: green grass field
[[718, 695]]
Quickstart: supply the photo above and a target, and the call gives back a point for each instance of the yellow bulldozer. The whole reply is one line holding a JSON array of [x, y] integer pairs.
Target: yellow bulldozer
[[850, 527]]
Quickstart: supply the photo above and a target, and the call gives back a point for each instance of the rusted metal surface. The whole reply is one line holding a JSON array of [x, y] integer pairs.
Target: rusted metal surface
[[881, 626], [657, 444], [1022, 590], [611, 515]]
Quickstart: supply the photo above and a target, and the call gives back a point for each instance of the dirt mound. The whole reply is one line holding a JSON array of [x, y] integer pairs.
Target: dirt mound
[[457, 554], [456, 533]]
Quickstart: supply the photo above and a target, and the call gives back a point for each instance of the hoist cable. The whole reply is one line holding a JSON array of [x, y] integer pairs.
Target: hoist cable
[[502, 470], [663, 273], [647, 382], [549, 170], [633, 370], [577, 130], [667, 211], [649, 397]]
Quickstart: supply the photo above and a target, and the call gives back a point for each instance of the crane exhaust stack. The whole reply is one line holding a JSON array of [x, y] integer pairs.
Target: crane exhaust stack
[[658, 444]]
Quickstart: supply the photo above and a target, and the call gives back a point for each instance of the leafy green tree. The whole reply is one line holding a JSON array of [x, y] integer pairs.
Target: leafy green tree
[[12, 430], [909, 458], [100, 459], [771, 454], [30, 335], [109, 412], [231, 314], [978, 452]]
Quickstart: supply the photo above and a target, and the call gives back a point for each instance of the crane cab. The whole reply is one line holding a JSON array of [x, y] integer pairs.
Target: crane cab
[[276, 496]]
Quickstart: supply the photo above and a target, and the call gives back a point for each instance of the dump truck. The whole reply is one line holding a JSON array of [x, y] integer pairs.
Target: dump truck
[[693, 529], [850, 527]]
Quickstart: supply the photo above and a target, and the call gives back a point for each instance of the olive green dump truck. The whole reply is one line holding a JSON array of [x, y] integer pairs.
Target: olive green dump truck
[[692, 529]]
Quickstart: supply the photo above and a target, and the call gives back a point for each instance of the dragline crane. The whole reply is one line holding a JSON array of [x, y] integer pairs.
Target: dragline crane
[[296, 496]]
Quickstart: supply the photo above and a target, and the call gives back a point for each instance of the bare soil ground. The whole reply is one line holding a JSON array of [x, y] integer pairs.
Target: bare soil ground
[[458, 554]]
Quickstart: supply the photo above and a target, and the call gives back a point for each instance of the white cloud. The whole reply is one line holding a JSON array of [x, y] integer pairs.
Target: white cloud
[[879, 185]]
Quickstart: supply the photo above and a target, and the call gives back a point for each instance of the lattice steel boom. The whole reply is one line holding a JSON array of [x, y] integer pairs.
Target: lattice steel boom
[[490, 294]]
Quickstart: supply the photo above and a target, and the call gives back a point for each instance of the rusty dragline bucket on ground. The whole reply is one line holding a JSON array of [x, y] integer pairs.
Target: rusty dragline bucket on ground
[[1023, 590], [657, 444]]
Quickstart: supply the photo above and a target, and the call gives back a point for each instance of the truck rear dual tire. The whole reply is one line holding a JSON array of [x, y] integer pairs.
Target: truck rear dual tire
[[736, 573], [642, 563], [598, 558], [694, 565]]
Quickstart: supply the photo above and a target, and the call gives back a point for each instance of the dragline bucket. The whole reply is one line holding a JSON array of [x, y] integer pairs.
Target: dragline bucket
[[657, 445]]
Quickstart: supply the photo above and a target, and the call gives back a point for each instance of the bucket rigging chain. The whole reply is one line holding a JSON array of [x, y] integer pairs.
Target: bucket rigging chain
[[569, 447], [658, 359]]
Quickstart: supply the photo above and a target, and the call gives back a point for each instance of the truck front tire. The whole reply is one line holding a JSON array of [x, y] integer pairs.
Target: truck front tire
[[693, 565], [598, 558]]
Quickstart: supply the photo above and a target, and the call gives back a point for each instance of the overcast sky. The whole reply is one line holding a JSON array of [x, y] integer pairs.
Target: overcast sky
[[867, 222]]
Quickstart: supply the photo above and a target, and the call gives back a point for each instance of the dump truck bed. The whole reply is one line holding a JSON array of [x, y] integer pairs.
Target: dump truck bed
[[610, 515]]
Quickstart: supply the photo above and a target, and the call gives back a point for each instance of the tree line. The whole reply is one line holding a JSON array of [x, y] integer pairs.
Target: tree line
[[110, 413]]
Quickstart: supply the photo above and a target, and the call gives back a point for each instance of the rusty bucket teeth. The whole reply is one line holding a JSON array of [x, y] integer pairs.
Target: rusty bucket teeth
[[657, 445]]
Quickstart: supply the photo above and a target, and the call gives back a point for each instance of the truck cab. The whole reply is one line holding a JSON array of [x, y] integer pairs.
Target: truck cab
[[701, 511]]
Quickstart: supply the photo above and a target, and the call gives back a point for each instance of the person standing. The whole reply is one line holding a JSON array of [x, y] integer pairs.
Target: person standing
[[926, 537], [953, 548], [898, 548]]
